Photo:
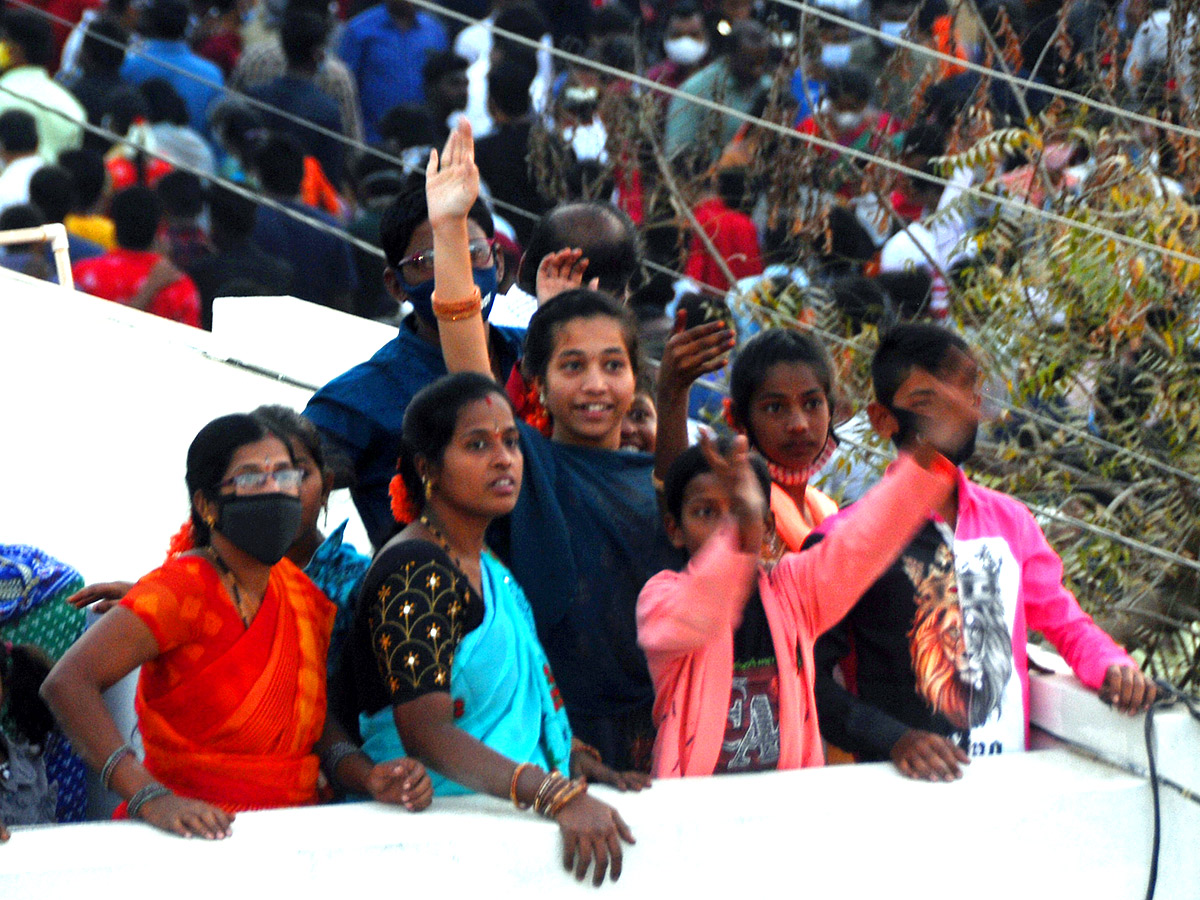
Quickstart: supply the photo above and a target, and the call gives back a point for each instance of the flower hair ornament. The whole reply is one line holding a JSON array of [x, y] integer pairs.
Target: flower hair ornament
[[403, 508], [182, 541]]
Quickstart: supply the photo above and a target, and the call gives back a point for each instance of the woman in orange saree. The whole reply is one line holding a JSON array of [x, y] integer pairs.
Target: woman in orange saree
[[232, 640]]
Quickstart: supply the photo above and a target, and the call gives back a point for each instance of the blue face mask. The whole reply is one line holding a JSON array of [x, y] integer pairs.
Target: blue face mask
[[421, 295]]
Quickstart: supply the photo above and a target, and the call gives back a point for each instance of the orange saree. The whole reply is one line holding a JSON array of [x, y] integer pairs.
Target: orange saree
[[230, 714]]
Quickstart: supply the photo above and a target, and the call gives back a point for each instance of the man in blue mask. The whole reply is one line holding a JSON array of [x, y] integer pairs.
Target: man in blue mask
[[360, 413]]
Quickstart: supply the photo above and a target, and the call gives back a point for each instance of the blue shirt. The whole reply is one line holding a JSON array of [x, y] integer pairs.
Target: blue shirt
[[361, 412], [199, 83], [322, 262], [386, 61]]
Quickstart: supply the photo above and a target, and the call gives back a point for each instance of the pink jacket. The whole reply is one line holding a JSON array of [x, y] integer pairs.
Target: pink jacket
[[686, 621]]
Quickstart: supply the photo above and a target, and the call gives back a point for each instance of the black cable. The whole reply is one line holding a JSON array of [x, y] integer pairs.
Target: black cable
[[1169, 695]]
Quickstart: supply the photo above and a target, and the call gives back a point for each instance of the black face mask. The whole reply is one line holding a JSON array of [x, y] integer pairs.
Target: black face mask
[[909, 421], [263, 525]]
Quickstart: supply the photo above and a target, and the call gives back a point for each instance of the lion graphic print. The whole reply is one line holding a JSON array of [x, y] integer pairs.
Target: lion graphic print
[[960, 641]]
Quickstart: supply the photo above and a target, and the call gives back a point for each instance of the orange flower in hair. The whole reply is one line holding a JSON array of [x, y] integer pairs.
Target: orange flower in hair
[[727, 414], [403, 509], [534, 413], [182, 541]]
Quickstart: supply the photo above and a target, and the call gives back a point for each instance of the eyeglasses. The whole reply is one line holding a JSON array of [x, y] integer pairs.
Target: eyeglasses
[[247, 482], [419, 266]]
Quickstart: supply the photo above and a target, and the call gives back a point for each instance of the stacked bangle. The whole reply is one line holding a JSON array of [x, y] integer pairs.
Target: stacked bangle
[[556, 792], [152, 791], [457, 310], [512, 791], [110, 764]]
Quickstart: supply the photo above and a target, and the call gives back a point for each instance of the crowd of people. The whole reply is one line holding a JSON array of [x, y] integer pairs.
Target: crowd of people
[[569, 583]]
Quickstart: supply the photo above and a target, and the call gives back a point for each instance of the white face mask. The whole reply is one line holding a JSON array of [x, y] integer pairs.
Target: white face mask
[[846, 121], [834, 56], [893, 29], [685, 50]]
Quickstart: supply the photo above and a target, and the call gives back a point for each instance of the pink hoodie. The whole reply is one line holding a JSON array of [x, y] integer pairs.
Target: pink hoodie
[[686, 620]]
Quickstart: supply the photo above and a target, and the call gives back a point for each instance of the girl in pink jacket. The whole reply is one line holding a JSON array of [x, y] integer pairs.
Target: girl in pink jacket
[[729, 641]]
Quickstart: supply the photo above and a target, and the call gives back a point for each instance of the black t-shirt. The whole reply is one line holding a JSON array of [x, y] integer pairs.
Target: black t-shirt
[[751, 741]]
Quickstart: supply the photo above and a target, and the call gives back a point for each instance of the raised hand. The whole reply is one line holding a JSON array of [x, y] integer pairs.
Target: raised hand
[[561, 271], [692, 352], [452, 180], [402, 782]]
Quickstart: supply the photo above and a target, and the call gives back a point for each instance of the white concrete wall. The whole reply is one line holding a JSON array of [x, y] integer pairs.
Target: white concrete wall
[[101, 405]]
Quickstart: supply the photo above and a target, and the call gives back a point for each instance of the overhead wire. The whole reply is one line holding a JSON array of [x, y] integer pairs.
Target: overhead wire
[[575, 58], [815, 140]]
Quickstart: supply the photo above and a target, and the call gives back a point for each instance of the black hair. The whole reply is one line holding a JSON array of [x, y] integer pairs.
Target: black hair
[[766, 349], [163, 102], [279, 163], [88, 174], [408, 211], [104, 42], [929, 12], [691, 463], [181, 194], [925, 139], [862, 301], [910, 291], [209, 456], [125, 105], [231, 213], [523, 19], [302, 33], [23, 668], [430, 420], [408, 125], [136, 211], [32, 34], [579, 303], [289, 425], [685, 9], [604, 232], [439, 65], [239, 127], [18, 132], [21, 215], [747, 33], [611, 19], [165, 19], [916, 345], [52, 190], [849, 81], [508, 88]]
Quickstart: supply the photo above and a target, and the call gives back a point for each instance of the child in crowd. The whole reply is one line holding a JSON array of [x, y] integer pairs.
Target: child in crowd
[[26, 797], [940, 666], [585, 534], [729, 639], [781, 399]]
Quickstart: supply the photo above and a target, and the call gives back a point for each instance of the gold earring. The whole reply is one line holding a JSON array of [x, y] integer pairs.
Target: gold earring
[[542, 397], [428, 487], [210, 520]]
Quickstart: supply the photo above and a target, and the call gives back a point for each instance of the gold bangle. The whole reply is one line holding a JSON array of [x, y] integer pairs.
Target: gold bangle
[[549, 783], [512, 791], [577, 787], [457, 310]]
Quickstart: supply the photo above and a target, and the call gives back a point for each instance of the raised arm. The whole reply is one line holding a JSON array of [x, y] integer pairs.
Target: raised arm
[[451, 188], [688, 354]]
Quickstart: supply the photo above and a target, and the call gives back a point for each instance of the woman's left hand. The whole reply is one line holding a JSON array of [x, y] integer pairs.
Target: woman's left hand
[[402, 782], [584, 765], [452, 180]]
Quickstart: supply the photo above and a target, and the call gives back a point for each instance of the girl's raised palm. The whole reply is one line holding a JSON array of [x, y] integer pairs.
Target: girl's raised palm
[[452, 180]]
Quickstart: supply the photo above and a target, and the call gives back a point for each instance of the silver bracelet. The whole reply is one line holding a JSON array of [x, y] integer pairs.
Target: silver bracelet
[[152, 791], [110, 764], [332, 758]]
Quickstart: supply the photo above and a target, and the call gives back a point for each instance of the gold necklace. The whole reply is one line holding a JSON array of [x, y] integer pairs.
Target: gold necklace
[[223, 568]]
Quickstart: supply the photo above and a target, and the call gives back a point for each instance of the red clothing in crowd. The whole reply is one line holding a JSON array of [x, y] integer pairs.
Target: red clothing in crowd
[[118, 274], [734, 236]]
